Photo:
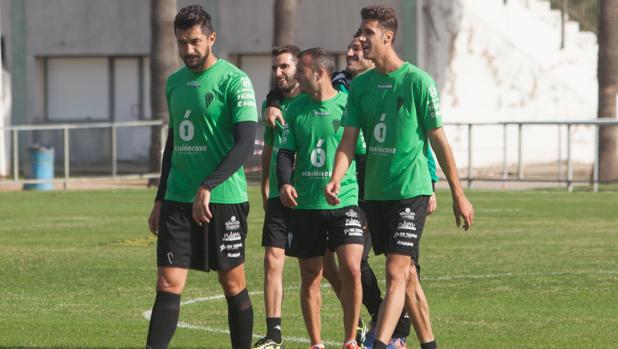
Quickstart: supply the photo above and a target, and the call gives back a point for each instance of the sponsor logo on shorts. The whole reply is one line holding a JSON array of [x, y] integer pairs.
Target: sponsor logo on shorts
[[170, 256], [232, 224], [405, 235], [405, 243], [233, 255], [407, 214], [353, 232], [406, 225], [351, 213], [290, 238], [233, 236], [352, 222]]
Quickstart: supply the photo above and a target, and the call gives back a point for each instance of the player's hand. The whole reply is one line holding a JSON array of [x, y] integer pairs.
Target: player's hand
[[272, 115], [462, 208], [332, 191], [287, 195], [201, 211], [433, 204], [153, 220]]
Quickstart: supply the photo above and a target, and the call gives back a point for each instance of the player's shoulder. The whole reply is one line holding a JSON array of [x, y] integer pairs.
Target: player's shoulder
[[229, 72], [179, 76], [416, 75]]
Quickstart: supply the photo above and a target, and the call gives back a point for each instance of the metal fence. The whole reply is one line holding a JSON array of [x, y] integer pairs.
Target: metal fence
[[66, 128], [469, 177]]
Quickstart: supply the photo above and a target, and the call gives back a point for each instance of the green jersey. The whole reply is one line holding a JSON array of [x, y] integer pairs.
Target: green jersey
[[203, 109], [314, 133], [395, 111], [272, 137]]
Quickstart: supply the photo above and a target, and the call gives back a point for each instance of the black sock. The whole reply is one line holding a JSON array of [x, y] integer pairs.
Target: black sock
[[163, 320], [240, 319], [402, 330], [273, 328], [429, 345], [378, 345]]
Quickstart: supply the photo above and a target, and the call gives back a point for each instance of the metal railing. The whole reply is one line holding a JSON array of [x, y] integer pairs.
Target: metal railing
[[66, 128], [469, 178], [569, 180]]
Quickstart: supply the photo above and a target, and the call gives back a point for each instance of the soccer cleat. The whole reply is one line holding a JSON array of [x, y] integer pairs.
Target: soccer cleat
[[361, 332], [317, 346], [267, 343], [397, 343], [351, 345], [370, 337]]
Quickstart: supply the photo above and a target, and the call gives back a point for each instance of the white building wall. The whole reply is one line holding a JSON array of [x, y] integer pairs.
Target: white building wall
[[505, 64]]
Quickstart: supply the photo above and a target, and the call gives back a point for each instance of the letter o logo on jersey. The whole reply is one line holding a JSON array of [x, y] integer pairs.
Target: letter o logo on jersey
[[318, 155], [186, 130], [379, 131]]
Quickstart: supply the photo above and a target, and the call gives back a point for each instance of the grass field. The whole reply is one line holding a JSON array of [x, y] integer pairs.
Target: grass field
[[538, 270]]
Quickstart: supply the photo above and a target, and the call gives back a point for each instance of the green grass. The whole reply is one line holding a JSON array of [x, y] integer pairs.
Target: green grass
[[538, 270]]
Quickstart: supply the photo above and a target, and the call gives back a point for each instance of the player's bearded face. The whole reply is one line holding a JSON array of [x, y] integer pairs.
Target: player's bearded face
[[194, 47], [284, 69]]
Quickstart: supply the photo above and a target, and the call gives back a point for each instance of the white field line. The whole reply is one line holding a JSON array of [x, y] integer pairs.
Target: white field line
[[148, 313]]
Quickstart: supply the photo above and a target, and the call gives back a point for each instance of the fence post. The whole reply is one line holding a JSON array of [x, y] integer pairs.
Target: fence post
[[569, 161], [560, 165], [67, 153], [520, 167], [595, 173], [15, 155], [114, 151], [470, 156], [505, 171]]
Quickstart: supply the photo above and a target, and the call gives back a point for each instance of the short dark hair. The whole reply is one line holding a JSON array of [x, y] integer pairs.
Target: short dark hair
[[384, 15], [190, 16], [320, 58], [279, 50]]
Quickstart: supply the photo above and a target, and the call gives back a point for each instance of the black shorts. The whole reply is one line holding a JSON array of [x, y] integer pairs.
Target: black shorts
[[313, 231], [218, 245], [366, 232], [275, 230], [396, 225]]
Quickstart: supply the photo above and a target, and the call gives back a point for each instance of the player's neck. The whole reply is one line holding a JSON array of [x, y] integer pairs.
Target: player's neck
[[292, 93], [210, 61], [325, 93], [388, 62]]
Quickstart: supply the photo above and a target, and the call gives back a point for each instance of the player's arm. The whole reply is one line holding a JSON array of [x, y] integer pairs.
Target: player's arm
[[285, 164], [272, 113], [166, 165], [431, 163], [343, 158], [462, 208], [267, 152]]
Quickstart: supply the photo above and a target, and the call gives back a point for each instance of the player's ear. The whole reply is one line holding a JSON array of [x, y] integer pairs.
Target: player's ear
[[212, 38], [388, 36]]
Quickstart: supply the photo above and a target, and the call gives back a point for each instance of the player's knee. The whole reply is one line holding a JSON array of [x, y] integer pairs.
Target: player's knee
[[273, 260], [311, 276], [165, 284]]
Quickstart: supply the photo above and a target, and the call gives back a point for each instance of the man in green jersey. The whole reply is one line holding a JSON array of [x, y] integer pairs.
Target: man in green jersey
[[397, 107], [275, 232], [311, 136], [200, 211]]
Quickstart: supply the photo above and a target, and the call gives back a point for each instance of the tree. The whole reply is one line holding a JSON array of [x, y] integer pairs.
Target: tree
[[284, 14], [608, 87], [163, 62]]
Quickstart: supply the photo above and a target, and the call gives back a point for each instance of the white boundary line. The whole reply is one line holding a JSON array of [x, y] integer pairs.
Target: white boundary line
[[148, 313]]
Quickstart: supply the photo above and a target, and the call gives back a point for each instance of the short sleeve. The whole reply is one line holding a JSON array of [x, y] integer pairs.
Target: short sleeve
[[361, 147], [242, 99], [288, 136], [351, 114], [428, 102]]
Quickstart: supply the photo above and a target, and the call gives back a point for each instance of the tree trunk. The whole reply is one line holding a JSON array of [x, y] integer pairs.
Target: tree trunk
[[163, 62], [608, 87], [284, 13]]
